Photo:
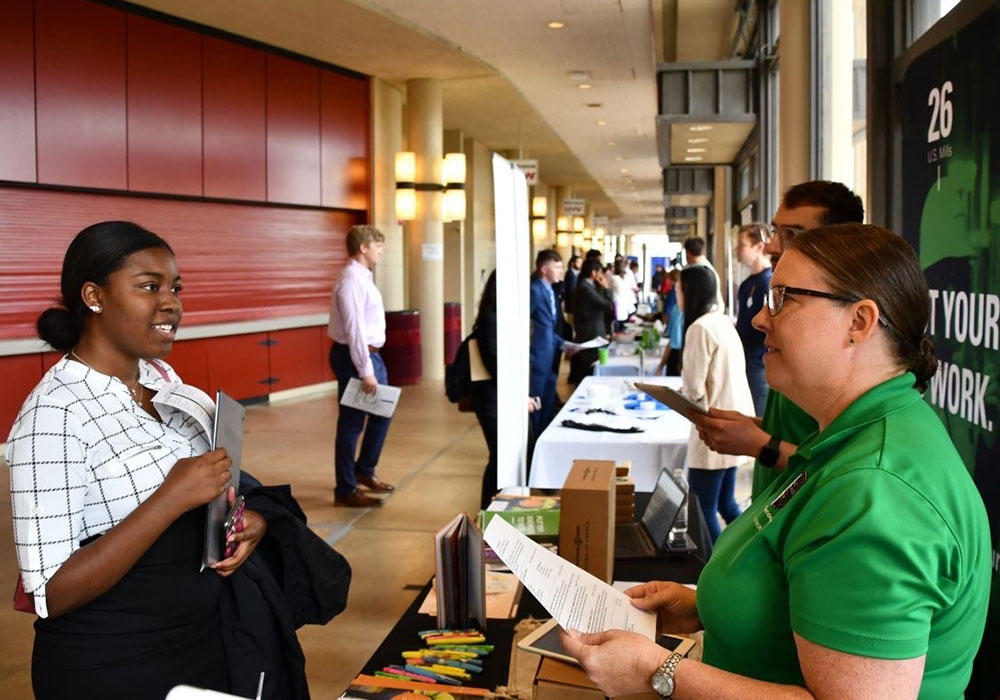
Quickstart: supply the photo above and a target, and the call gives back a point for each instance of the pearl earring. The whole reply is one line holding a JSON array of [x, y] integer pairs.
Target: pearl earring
[[95, 308]]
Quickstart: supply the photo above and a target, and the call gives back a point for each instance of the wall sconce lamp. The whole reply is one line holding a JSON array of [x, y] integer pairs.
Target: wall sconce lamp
[[562, 239], [578, 224], [453, 174], [539, 208], [578, 240]]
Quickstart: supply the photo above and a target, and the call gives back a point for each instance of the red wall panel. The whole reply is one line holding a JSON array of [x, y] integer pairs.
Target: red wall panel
[[17, 91], [344, 137], [189, 358], [239, 261], [164, 108], [326, 342], [293, 156], [237, 364], [80, 94], [235, 80], [20, 375], [295, 358]]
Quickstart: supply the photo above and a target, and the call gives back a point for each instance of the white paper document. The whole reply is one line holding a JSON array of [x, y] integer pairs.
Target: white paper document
[[577, 599], [381, 403], [190, 400], [598, 342]]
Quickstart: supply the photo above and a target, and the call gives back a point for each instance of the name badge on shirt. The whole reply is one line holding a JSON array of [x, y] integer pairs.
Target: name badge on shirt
[[778, 503]]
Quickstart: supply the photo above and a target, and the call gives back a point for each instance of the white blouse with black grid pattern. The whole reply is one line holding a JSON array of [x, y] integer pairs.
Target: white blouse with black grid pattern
[[82, 456]]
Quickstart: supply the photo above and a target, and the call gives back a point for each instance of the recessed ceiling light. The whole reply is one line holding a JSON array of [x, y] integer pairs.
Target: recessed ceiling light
[[700, 127], [601, 122], [624, 171], [700, 139], [619, 158], [585, 86], [556, 25], [696, 150], [611, 143], [693, 158]]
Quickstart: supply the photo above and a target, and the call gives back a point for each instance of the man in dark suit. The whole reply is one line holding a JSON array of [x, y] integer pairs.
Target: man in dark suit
[[545, 339], [592, 311]]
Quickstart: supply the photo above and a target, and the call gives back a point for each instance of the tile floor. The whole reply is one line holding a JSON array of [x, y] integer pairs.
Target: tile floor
[[435, 457]]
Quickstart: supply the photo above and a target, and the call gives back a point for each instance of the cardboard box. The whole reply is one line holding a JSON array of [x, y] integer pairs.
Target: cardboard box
[[587, 521], [557, 680]]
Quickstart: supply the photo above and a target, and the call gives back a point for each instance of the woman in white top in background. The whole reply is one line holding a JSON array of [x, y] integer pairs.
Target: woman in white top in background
[[714, 374], [624, 294]]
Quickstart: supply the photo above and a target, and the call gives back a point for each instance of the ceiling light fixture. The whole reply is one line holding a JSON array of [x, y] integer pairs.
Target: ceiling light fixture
[[619, 158], [696, 150], [700, 127], [624, 171], [601, 122], [611, 143], [585, 86], [700, 139], [693, 158], [556, 25]]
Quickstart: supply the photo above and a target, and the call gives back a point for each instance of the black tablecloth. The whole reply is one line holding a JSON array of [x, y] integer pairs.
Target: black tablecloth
[[500, 633]]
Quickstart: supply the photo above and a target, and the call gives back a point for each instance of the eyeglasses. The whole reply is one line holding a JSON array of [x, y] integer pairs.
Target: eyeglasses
[[776, 299], [784, 233]]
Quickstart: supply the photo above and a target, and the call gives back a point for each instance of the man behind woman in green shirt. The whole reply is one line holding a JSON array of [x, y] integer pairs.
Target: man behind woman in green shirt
[[863, 571], [773, 437]]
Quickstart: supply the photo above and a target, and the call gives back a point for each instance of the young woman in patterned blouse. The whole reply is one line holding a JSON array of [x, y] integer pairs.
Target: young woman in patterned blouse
[[109, 490]]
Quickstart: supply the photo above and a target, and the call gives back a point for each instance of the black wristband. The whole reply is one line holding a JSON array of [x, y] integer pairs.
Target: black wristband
[[770, 452]]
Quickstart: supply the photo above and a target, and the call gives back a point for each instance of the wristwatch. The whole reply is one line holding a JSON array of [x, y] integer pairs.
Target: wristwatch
[[663, 679], [770, 452]]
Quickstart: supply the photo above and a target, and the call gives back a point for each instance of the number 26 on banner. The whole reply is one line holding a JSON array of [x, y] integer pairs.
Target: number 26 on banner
[[942, 114]]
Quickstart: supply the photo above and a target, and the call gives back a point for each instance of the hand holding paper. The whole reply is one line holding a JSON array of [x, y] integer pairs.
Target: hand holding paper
[[577, 599]]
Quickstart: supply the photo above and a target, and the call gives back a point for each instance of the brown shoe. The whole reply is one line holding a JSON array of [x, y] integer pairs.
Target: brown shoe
[[356, 499], [376, 485]]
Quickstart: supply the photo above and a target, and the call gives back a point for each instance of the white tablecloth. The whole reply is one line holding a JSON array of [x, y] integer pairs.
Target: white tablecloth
[[663, 442]]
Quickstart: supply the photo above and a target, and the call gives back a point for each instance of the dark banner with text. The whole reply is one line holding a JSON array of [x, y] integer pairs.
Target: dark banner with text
[[951, 214]]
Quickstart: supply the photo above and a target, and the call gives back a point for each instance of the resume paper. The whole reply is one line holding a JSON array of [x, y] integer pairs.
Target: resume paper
[[575, 598]]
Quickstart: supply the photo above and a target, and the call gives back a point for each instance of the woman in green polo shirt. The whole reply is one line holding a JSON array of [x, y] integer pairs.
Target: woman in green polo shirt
[[865, 571]]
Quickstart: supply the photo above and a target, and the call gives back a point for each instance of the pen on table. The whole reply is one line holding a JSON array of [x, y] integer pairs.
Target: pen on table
[[260, 685]]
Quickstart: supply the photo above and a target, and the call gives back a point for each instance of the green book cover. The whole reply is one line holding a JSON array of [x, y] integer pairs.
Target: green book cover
[[535, 516]]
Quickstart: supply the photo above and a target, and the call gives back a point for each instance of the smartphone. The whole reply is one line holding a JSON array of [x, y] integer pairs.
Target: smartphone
[[233, 524]]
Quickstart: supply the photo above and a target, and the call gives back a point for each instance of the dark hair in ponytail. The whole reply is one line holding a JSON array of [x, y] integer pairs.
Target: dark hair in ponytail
[[871, 262], [700, 291], [94, 254]]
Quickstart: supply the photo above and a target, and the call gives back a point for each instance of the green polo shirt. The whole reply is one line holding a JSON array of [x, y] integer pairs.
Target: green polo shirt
[[790, 423], [873, 542]]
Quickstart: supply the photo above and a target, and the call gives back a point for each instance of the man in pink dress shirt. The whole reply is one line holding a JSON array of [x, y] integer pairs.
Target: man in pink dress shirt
[[357, 327]]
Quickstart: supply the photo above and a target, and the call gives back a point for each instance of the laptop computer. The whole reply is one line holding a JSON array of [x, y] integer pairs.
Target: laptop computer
[[648, 538]]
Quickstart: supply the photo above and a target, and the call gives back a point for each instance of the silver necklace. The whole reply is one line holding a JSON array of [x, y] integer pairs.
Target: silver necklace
[[136, 390]]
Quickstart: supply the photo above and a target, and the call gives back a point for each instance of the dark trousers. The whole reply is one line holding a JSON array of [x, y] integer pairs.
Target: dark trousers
[[715, 489], [540, 419], [487, 416], [758, 388], [351, 423], [674, 358]]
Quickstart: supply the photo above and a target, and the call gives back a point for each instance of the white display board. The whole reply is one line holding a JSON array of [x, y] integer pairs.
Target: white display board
[[510, 191]]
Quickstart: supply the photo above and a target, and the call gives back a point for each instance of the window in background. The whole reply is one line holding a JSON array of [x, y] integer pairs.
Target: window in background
[[841, 139], [921, 15]]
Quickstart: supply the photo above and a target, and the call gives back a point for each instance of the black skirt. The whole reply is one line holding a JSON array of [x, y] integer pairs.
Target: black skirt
[[156, 628]]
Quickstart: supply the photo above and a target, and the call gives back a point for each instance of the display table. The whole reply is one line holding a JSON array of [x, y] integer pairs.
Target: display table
[[500, 633], [629, 364], [662, 444]]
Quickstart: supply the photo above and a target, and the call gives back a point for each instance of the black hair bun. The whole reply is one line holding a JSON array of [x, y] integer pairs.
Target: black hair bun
[[57, 327], [925, 363]]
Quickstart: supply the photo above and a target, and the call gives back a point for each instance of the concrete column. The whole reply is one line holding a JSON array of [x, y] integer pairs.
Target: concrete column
[[794, 149], [702, 223], [387, 140], [425, 125], [454, 243], [722, 256]]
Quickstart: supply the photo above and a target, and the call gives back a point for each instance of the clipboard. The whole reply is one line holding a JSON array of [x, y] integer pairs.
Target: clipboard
[[677, 401], [545, 641], [227, 432]]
